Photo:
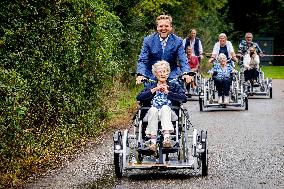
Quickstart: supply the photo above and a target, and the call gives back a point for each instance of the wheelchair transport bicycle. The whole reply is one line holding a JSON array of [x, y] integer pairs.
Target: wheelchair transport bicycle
[[237, 96], [261, 86], [198, 82], [189, 149]]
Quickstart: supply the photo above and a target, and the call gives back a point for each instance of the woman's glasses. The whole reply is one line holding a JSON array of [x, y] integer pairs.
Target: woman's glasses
[[162, 71]]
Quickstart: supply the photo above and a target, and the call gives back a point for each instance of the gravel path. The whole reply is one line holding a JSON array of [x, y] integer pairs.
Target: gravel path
[[246, 150]]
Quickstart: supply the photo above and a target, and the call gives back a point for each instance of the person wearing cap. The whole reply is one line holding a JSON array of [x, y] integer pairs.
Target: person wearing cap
[[251, 65], [223, 46], [162, 45]]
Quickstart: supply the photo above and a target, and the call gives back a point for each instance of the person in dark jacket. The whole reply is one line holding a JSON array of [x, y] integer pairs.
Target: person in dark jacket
[[160, 96], [195, 43]]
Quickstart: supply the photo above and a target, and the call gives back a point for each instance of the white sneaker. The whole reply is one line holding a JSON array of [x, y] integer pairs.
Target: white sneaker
[[220, 100], [226, 100]]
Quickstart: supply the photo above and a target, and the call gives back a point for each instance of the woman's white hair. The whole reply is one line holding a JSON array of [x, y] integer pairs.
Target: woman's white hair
[[161, 63], [222, 55]]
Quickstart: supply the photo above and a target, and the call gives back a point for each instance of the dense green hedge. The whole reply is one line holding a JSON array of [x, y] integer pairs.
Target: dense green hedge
[[57, 59]]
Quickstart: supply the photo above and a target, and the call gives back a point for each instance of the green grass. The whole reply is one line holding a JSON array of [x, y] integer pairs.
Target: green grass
[[123, 102], [274, 72]]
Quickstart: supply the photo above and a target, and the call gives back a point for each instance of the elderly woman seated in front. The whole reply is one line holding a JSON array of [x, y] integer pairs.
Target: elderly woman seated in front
[[251, 64], [160, 95], [222, 78]]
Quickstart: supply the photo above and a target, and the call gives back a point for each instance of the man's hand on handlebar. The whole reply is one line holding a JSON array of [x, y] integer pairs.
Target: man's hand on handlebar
[[235, 59], [187, 78], [139, 79], [210, 60], [239, 55]]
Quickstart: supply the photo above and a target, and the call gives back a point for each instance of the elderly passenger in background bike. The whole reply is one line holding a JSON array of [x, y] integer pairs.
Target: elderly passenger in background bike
[[223, 46], [160, 96], [222, 78], [251, 65], [193, 62]]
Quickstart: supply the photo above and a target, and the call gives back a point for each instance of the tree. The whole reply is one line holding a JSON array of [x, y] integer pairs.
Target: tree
[[261, 17]]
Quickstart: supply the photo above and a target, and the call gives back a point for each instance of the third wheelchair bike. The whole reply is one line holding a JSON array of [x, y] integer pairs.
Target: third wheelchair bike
[[261, 86]]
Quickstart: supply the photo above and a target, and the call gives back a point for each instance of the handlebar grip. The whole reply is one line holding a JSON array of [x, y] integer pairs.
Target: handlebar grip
[[145, 80], [191, 73]]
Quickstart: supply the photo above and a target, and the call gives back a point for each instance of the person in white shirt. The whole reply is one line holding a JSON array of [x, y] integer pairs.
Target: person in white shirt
[[251, 64], [223, 46]]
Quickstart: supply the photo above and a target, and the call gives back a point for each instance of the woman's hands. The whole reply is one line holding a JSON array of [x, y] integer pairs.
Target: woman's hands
[[234, 71], [164, 88]]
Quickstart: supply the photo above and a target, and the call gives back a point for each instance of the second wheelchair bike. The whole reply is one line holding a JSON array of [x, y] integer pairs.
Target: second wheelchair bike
[[209, 95]]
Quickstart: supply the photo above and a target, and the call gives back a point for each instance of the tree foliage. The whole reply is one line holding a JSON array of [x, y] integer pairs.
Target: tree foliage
[[263, 18], [138, 19], [57, 57]]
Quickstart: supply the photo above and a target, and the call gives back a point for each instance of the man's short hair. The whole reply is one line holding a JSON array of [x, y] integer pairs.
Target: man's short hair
[[164, 17], [191, 30], [248, 34]]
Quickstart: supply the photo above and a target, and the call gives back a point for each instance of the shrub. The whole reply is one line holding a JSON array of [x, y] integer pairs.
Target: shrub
[[57, 60]]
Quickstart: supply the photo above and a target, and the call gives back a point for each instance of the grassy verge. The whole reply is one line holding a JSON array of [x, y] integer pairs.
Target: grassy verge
[[274, 72], [123, 108]]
